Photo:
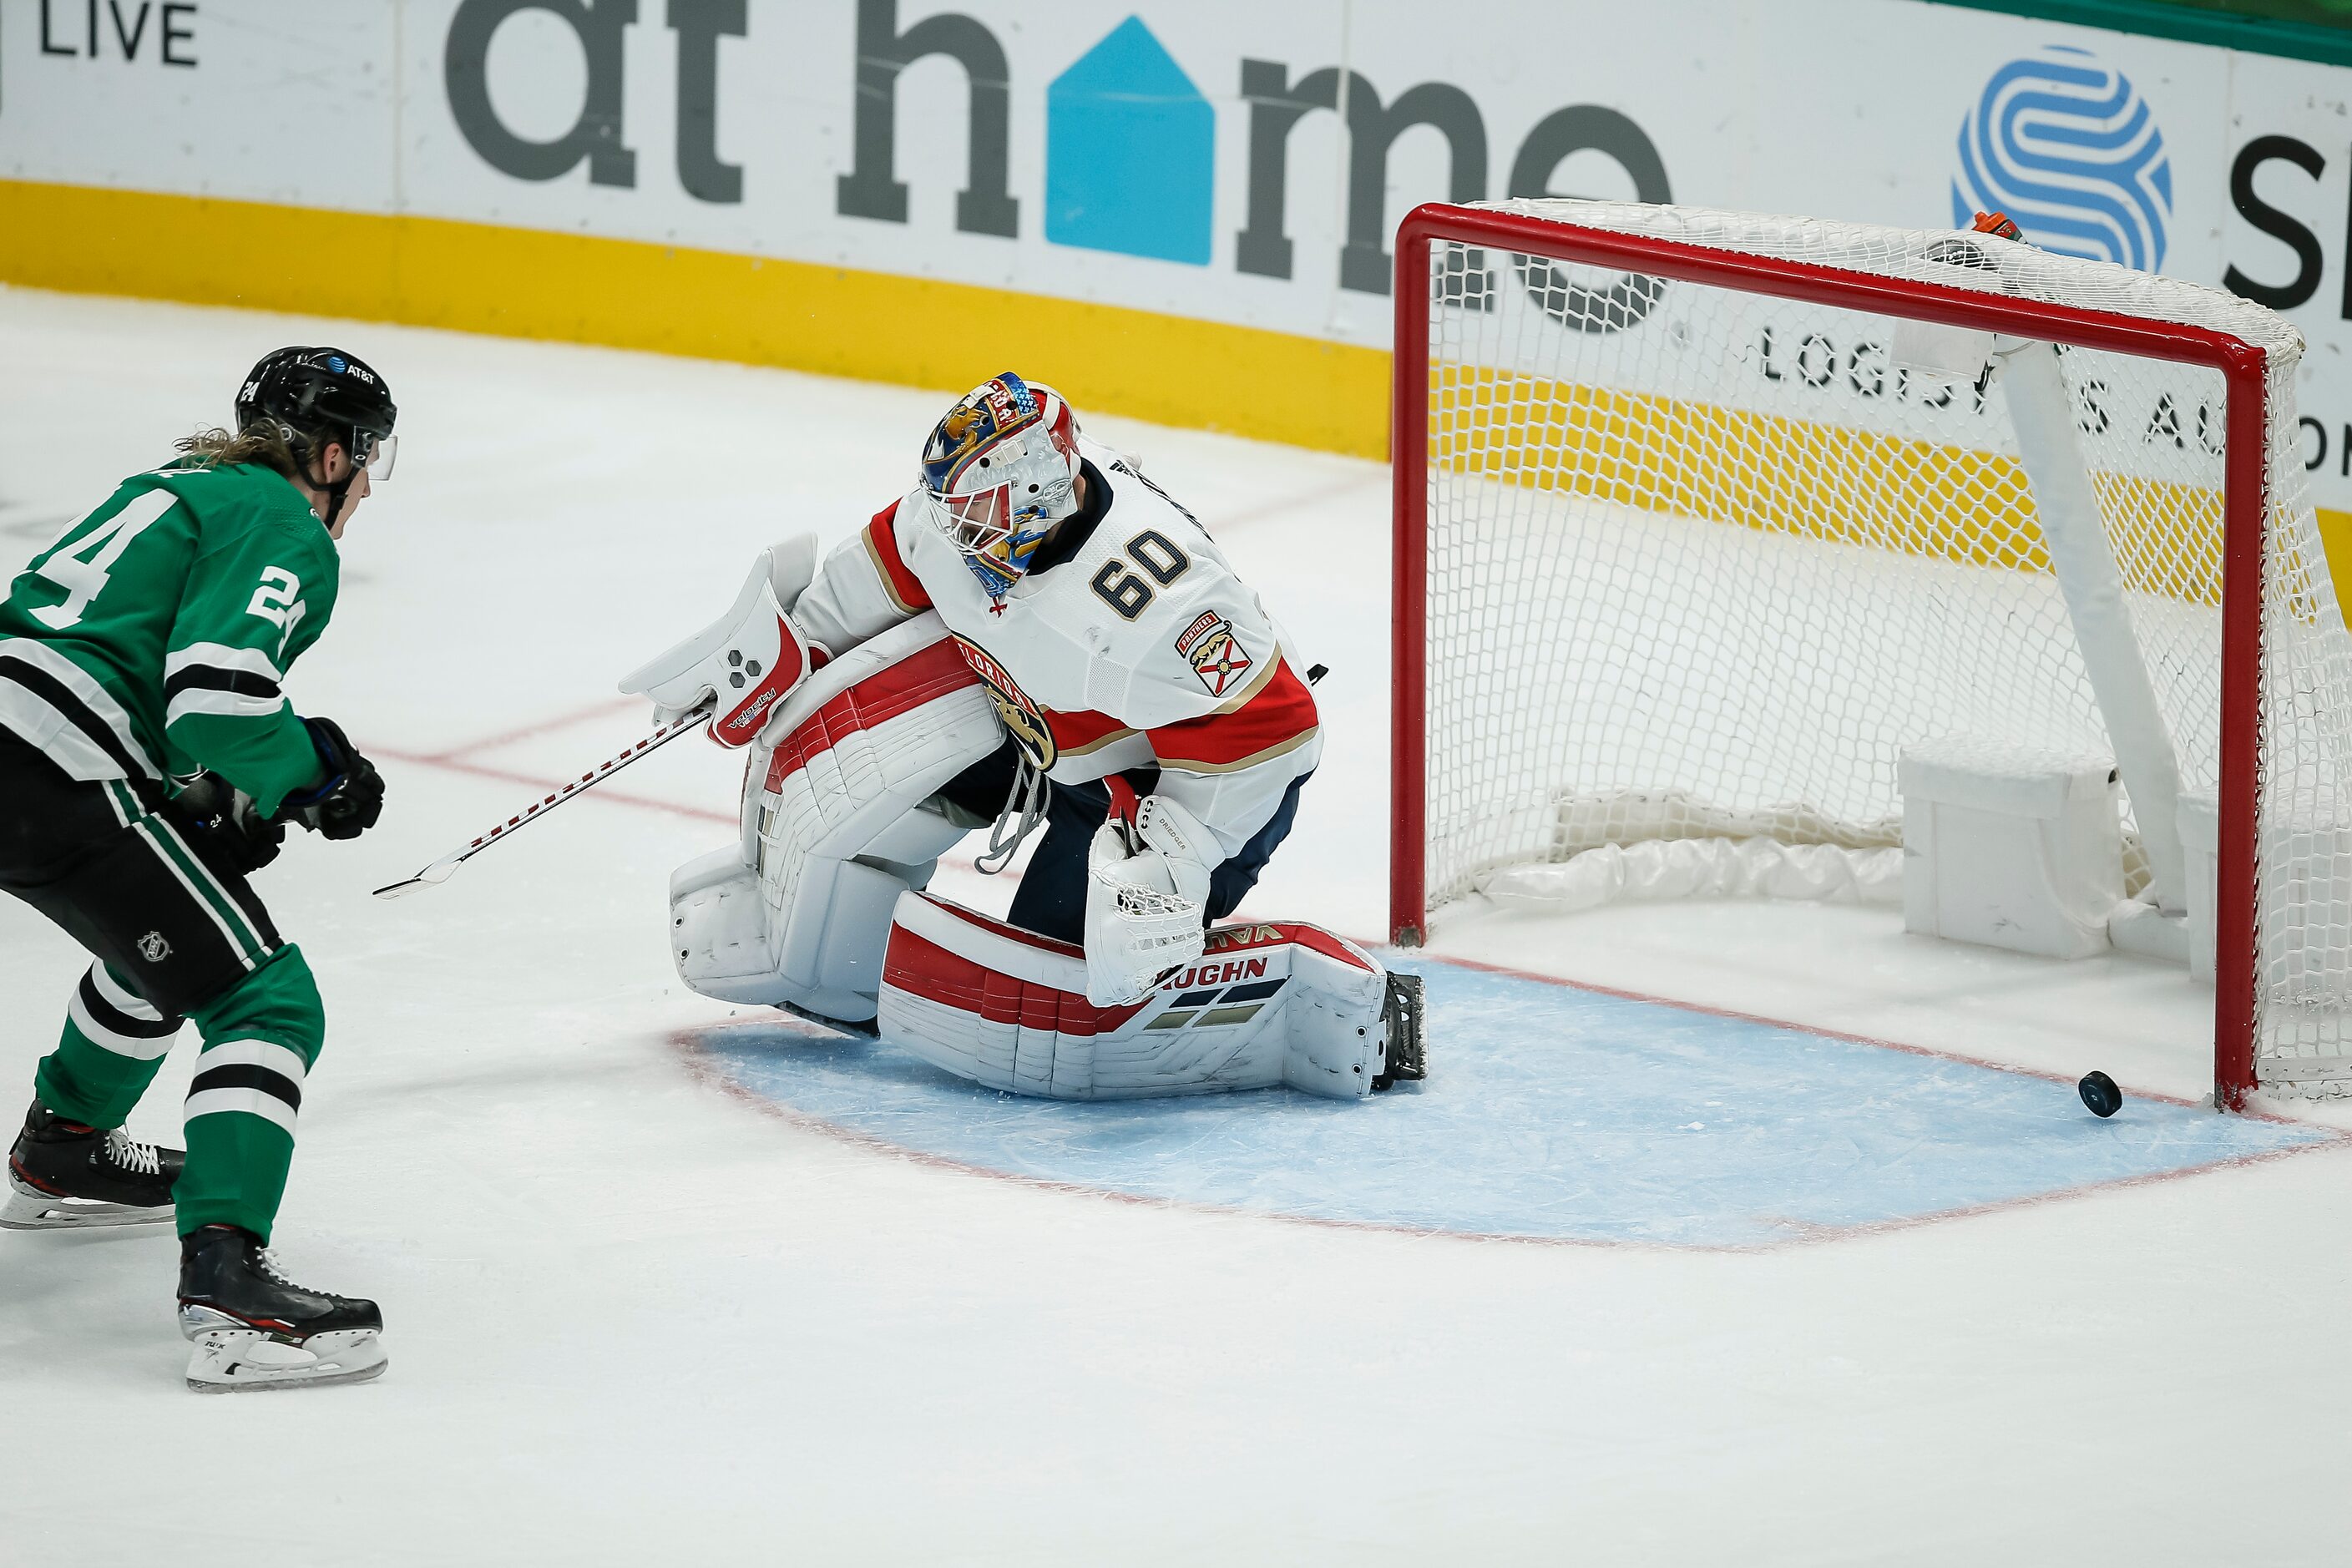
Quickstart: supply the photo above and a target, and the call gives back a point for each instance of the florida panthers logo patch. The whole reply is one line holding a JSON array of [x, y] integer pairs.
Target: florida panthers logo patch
[[1215, 654], [1022, 717]]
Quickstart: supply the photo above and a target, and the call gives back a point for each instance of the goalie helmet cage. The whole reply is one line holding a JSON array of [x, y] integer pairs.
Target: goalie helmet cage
[[1701, 517]]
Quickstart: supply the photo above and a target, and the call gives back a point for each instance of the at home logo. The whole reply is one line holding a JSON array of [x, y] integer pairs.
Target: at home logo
[[1130, 140]]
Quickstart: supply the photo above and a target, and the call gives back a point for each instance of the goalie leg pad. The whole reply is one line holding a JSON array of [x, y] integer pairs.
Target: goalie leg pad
[[799, 914], [823, 961], [831, 943], [988, 1001], [1339, 1044], [719, 928], [1266, 1004]]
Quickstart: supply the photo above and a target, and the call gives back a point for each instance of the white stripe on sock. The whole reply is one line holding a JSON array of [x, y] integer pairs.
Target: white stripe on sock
[[251, 1101], [121, 997], [281, 1059], [138, 1048]]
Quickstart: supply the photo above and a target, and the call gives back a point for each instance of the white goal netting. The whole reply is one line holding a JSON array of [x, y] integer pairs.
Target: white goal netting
[[1702, 562]]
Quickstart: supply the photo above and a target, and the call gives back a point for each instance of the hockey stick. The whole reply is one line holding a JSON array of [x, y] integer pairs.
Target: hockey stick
[[439, 872]]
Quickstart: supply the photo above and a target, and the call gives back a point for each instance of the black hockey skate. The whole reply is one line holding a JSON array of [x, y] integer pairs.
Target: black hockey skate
[[63, 1175], [256, 1329], [1404, 1057]]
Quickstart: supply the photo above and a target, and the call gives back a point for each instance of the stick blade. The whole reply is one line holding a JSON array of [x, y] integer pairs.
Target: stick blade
[[433, 876]]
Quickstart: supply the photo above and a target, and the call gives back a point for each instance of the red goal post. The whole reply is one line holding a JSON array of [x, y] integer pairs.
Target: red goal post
[[2241, 365]]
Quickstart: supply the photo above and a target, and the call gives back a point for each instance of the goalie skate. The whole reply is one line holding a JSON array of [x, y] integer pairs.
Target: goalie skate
[[1401, 1014]]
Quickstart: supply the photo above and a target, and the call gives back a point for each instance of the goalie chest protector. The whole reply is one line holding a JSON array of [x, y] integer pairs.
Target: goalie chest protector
[[1146, 627]]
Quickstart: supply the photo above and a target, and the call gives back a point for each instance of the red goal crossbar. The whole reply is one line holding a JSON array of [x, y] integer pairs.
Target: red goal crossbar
[[2241, 365]]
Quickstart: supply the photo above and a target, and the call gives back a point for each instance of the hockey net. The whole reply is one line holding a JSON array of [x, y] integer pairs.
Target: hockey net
[[1703, 517]]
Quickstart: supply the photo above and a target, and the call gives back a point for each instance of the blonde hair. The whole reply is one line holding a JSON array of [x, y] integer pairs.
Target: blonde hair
[[263, 441]]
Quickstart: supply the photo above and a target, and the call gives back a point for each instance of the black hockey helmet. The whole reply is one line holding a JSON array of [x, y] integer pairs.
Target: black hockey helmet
[[321, 394]]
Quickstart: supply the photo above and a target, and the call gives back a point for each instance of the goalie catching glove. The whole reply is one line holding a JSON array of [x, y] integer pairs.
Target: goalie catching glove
[[1146, 886]]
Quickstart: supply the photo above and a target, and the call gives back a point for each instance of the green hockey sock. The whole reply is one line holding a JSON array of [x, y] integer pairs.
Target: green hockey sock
[[114, 1043], [260, 1037]]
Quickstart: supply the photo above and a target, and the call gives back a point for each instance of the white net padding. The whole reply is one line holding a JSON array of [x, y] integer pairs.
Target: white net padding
[[1702, 562]]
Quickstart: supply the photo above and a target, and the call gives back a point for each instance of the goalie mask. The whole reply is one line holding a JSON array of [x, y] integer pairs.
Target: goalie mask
[[1000, 470]]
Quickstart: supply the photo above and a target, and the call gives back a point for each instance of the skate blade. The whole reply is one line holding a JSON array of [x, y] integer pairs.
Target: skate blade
[[29, 1208], [246, 1361]]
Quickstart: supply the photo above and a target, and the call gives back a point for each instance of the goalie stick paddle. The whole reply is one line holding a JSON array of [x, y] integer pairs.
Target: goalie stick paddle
[[439, 872]]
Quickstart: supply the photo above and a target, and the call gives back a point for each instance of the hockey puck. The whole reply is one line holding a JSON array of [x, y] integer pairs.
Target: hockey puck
[[2100, 1093]]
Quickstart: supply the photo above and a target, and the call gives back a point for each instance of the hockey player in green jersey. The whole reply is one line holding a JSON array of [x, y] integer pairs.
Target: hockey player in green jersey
[[149, 762]]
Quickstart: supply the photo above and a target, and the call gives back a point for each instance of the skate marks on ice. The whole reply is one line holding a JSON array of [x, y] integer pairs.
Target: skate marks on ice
[[1552, 1112]]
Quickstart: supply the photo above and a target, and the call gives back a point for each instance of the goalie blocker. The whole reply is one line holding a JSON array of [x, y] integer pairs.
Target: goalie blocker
[[819, 909]]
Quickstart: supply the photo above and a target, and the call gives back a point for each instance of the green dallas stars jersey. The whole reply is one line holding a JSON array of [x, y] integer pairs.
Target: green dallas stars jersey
[[150, 640]]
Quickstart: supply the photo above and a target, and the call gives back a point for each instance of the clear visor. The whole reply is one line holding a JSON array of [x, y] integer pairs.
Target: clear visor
[[377, 454]]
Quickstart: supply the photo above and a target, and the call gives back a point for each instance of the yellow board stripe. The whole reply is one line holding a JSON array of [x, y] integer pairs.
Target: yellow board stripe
[[2335, 538], [527, 283], [1811, 480], [708, 304]]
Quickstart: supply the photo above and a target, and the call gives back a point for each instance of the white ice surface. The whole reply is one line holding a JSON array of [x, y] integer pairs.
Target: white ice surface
[[635, 1319]]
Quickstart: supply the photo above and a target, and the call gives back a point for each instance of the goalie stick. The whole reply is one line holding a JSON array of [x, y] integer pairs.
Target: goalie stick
[[441, 870]]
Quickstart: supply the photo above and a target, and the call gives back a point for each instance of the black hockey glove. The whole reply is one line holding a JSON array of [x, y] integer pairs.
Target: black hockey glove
[[220, 814], [348, 804]]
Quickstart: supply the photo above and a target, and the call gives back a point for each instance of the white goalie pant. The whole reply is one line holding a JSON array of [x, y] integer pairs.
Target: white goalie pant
[[818, 908]]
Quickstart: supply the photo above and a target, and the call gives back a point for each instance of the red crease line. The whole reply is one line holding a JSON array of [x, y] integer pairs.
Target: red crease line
[[1941, 1055], [491, 743], [694, 1053], [548, 786]]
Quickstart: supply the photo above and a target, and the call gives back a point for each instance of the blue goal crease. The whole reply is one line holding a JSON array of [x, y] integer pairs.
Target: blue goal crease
[[1552, 1112]]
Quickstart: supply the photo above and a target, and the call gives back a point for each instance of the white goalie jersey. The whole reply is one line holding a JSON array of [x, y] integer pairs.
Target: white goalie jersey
[[862, 688], [1142, 649]]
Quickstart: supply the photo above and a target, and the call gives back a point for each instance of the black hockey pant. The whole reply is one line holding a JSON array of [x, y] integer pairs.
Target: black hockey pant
[[174, 932]]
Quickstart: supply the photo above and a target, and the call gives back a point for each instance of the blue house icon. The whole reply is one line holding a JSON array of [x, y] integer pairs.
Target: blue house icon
[[1131, 152]]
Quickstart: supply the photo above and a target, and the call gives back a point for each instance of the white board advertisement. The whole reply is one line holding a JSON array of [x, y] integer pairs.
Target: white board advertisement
[[1215, 160]]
